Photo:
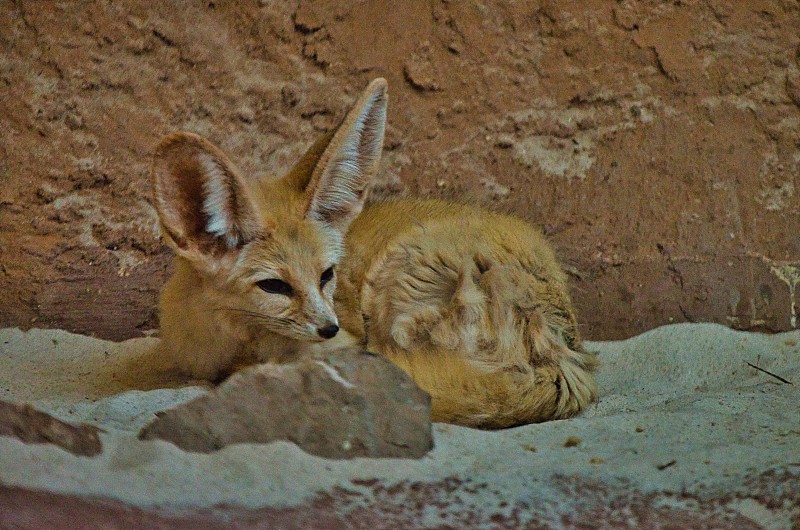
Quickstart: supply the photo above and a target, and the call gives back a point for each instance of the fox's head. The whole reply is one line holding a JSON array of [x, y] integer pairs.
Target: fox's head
[[265, 251]]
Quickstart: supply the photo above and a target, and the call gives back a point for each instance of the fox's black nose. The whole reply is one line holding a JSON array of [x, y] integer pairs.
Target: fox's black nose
[[328, 332]]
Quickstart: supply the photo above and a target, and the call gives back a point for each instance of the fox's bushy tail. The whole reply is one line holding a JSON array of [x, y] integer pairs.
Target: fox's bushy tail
[[504, 351]]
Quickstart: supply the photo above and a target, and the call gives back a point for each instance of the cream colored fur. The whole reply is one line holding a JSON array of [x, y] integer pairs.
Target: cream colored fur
[[472, 304]]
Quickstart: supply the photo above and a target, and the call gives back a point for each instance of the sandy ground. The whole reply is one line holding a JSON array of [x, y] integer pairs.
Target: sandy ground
[[683, 424]]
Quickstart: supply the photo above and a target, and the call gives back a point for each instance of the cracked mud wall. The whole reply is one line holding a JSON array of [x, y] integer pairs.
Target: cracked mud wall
[[656, 144]]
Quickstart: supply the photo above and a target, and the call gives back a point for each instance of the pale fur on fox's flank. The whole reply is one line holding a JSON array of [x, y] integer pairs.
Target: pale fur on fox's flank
[[472, 304]]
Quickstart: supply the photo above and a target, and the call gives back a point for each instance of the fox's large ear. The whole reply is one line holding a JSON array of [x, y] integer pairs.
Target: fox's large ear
[[203, 203], [338, 184]]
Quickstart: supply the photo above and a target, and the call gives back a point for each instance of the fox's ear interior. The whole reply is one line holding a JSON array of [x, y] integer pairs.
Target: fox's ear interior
[[338, 185], [202, 201]]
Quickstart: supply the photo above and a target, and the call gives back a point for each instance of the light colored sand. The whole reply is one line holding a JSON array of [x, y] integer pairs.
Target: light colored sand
[[680, 393]]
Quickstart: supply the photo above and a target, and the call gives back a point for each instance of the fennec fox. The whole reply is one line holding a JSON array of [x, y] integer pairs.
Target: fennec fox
[[472, 304]]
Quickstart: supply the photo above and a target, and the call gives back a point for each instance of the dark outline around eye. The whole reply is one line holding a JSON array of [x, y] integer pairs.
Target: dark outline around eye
[[275, 286], [327, 275]]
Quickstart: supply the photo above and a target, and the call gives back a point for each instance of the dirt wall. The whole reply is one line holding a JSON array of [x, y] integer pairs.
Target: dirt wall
[[656, 143]]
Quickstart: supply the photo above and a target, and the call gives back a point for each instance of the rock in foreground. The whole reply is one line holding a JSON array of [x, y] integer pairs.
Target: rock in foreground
[[341, 404], [34, 426]]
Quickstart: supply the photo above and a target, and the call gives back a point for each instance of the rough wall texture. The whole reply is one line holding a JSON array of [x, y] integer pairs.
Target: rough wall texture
[[656, 143]]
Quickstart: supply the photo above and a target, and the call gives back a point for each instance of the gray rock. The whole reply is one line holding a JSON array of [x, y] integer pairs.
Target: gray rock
[[34, 426], [341, 404]]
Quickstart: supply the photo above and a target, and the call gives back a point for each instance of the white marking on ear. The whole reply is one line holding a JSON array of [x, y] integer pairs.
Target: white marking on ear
[[345, 172], [357, 153], [204, 205], [217, 202]]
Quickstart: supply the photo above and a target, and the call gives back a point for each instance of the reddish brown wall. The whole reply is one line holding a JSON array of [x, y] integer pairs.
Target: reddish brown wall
[[657, 143]]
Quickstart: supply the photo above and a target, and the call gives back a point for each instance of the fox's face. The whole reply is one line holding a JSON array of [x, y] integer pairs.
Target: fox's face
[[284, 281], [266, 251]]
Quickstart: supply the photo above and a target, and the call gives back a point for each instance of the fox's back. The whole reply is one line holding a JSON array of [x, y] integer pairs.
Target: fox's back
[[447, 236], [473, 304], [473, 230]]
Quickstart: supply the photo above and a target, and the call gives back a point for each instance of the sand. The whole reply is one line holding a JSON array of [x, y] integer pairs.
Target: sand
[[682, 422]]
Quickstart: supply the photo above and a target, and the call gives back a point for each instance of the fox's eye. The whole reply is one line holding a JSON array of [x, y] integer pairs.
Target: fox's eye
[[326, 277], [275, 286]]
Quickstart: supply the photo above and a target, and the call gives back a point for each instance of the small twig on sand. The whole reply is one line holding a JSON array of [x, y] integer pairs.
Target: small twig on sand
[[662, 467], [779, 378]]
